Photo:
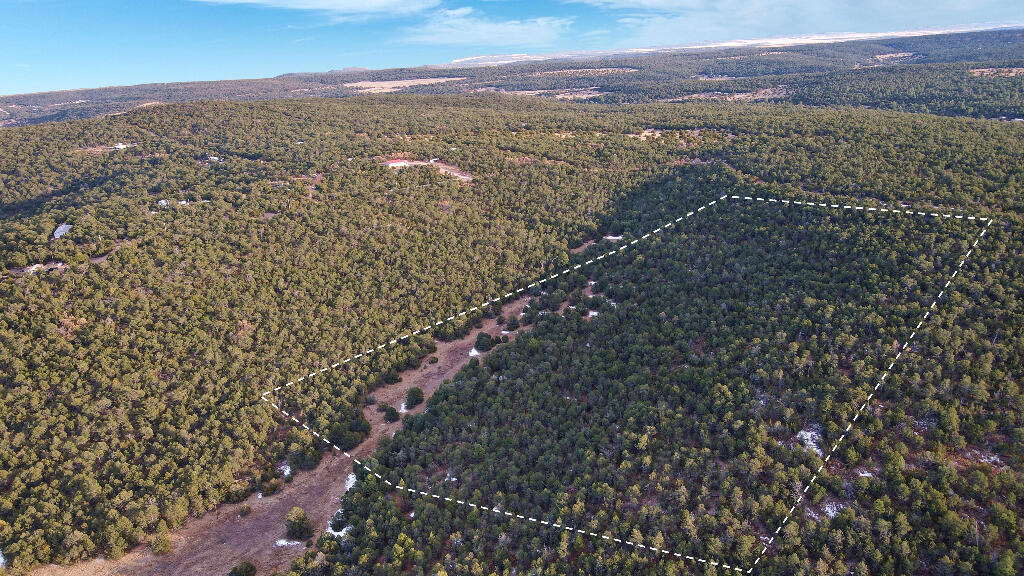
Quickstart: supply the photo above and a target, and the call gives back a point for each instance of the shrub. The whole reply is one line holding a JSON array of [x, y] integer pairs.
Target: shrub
[[243, 569], [484, 342], [414, 397], [297, 524], [161, 544]]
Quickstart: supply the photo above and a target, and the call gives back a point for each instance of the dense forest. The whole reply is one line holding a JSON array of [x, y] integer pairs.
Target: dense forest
[[939, 74], [224, 248], [689, 412]]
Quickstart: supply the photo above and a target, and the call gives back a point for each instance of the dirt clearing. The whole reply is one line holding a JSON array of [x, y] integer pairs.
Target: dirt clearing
[[386, 86], [997, 72]]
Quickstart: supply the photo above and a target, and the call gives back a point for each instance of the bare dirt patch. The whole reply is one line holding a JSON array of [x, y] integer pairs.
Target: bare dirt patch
[[763, 94], [97, 150], [442, 167], [560, 94], [582, 247], [648, 134], [222, 538], [385, 86], [997, 72], [893, 57]]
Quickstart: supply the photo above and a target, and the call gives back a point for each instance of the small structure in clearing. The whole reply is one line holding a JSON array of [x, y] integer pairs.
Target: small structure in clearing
[[61, 230]]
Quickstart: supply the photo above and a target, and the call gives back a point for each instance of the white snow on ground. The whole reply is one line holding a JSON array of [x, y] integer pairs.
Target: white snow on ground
[[338, 533], [474, 352], [613, 238], [350, 482], [281, 542], [810, 438], [3, 561], [285, 469], [259, 495], [402, 409], [592, 313], [866, 474], [504, 332], [986, 457], [832, 509]]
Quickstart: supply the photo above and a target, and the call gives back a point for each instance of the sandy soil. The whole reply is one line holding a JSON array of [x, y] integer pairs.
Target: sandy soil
[[566, 94], [384, 86], [221, 539], [998, 72]]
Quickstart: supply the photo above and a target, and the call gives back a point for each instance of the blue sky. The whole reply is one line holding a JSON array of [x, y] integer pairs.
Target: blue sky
[[52, 44]]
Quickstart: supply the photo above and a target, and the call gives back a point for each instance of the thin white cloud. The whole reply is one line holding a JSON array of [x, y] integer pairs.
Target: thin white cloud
[[467, 27], [341, 7], [649, 5]]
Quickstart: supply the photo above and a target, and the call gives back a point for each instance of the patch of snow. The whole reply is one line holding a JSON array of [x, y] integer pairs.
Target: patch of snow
[[285, 469], [350, 482], [474, 352], [412, 514], [505, 332], [402, 409], [810, 437], [162, 203], [986, 457], [832, 509], [866, 474], [593, 313], [3, 561], [337, 533], [592, 282], [281, 542], [613, 238], [259, 495]]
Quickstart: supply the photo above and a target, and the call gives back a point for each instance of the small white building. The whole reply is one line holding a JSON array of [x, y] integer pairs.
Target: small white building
[[397, 163], [61, 230]]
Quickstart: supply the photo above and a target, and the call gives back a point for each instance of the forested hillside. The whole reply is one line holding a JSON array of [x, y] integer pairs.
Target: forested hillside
[[975, 74], [226, 248]]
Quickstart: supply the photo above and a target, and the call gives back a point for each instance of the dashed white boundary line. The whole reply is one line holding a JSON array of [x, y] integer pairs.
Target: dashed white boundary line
[[906, 343], [429, 327], [859, 208]]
